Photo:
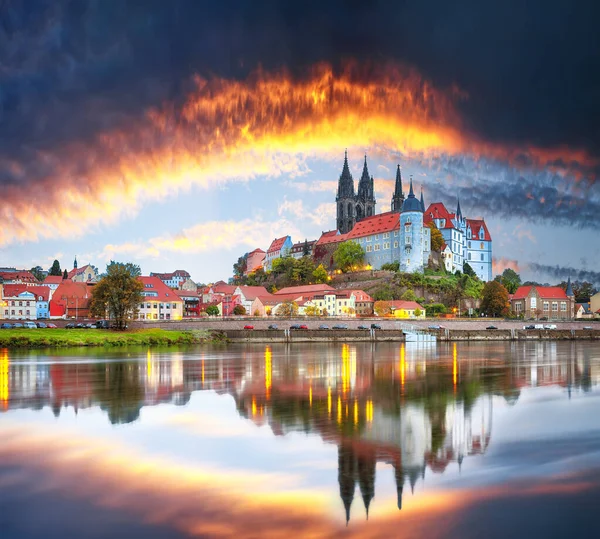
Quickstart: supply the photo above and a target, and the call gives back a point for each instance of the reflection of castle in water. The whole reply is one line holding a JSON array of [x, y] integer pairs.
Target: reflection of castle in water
[[408, 407]]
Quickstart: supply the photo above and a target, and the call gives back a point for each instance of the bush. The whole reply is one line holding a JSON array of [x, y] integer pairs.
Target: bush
[[435, 308], [239, 310], [391, 266]]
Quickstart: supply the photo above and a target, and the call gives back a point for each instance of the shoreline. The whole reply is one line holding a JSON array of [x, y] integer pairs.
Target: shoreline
[[75, 338]]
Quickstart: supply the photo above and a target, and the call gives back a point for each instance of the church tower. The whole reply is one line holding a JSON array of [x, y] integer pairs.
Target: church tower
[[398, 196], [365, 200], [345, 199]]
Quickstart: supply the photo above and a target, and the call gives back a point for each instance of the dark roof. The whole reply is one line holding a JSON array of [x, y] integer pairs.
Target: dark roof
[[411, 203]]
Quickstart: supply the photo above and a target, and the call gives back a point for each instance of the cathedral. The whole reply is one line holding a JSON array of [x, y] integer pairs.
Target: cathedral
[[403, 234]]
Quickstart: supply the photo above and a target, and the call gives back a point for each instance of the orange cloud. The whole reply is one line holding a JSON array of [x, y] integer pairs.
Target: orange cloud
[[230, 130]]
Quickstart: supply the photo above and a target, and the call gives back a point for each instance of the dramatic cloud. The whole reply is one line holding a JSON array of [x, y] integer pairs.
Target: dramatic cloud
[[563, 272]]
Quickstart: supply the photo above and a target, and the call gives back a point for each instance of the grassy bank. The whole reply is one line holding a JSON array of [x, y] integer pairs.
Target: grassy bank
[[62, 338]]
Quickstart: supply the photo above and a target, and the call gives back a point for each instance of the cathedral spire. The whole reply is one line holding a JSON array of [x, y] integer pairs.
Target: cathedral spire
[[75, 263], [398, 196], [364, 182], [458, 212], [345, 199], [411, 192], [422, 201]]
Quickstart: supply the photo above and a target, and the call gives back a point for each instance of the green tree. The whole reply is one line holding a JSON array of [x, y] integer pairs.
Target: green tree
[[311, 310], [409, 295], [287, 308], [437, 240], [239, 310], [118, 293], [495, 299], [468, 270], [349, 256], [391, 266], [320, 274], [65, 274], [38, 273], [511, 280], [55, 269], [212, 310], [305, 248], [418, 312]]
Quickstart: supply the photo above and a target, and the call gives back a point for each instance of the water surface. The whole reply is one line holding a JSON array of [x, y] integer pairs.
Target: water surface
[[364, 440]]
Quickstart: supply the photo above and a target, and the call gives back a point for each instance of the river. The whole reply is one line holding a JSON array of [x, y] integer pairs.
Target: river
[[354, 440]]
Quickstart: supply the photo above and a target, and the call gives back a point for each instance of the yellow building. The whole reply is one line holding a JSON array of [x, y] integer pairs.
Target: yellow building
[[407, 309]]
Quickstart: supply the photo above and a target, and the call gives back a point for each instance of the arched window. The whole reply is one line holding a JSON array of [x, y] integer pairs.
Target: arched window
[[369, 211], [359, 214], [350, 210]]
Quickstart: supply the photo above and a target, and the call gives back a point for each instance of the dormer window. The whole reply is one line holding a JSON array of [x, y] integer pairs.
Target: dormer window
[[481, 235]]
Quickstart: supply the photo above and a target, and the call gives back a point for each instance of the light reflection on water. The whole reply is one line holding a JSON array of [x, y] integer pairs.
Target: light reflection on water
[[321, 436]]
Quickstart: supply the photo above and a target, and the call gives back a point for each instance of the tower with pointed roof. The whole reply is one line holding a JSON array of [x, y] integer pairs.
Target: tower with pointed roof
[[345, 199], [365, 198], [346, 476], [398, 196], [415, 239], [75, 263]]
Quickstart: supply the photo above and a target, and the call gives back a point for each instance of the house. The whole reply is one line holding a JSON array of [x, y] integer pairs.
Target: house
[[254, 261], [52, 282], [582, 310], [341, 302], [85, 274], [325, 246], [446, 255], [188, 285], [19, 277], [551, 302], [248, 294], [305, 290], [160, 301], [363, 303], [191, 303], [22, 302], [71, 300], [406, 309], [595, 305], [279, 248], [302, 248], [173, 279], [266, 305]]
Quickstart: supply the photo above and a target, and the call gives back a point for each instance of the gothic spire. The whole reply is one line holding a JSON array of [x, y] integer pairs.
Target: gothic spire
[[411, 193], [422, 201], [364, 182], [458, 212], [411, 203], [346, 182], [75, 263], [398, 196]]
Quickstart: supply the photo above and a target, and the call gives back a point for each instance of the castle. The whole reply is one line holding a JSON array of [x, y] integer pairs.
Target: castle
[[404, 234]]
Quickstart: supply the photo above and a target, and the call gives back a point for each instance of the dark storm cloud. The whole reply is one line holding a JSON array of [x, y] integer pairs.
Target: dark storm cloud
[[69, 69], [563, 272], [486, 187]]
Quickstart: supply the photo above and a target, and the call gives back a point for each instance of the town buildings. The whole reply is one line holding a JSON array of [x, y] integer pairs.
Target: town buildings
[[85, 274], [279, 248], [22, 302], [255, 260], [160, 301], [174, 279], [551, 302]]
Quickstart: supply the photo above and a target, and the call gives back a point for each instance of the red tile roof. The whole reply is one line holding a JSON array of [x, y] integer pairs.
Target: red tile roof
[[221, 287], [545, 292], [376, 224], [476, 225], [305, 289], [13, 290], [407, 305], [24, 276], [255, 251], [332, 236], [154, 284], [53, 279], [252, 292], [437, 210], [277, 244]]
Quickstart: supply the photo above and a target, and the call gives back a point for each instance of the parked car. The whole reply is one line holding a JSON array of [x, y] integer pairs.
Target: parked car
[[323, 326], [248, 326], [103, 324], [530, 326], [295, 326], [6, 325], [41, 325], [375, 326], [70, 325], [50, 325], [436, 326], [340, 326], [17, 325], [491, 327], [29, 325], [362, 326], [303, 326], [584, 327], [273, 326], [90, 326], [550, 326]]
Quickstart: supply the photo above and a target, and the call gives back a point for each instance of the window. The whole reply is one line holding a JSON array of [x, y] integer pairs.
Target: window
[[386, 245], [147, 305], [369, 248], [482, 257], [174, 306], [563, 306], [162, 316], [533, 303], [376, 236], [518, 306], [546, 306], [142, 316], [555, 305], [13, 312], [386, 235], [27, 312], [20, 304], [395, 244], [395, 233], [168, 316], [469, 256], [377, 247], [481, 235], [369, 238], [155, 306], [155, 316], [142, 306]]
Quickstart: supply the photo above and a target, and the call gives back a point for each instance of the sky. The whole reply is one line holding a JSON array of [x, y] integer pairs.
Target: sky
[[182, 134]]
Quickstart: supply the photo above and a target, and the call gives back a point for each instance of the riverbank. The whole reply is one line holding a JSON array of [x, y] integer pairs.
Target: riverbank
[[68, 338]]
